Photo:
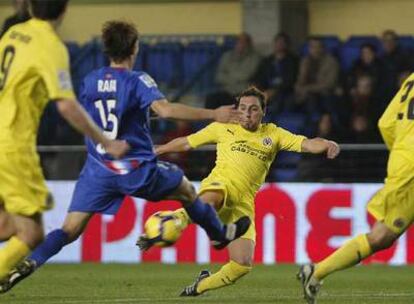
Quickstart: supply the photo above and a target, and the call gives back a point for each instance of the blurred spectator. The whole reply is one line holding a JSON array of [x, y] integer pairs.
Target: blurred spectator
[[364, 113], [367, 64], [317, 80], [395, 60], [21, 14], [235, 70], [277, 74]]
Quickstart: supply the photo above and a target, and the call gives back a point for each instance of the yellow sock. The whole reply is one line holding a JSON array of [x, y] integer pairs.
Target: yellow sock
[[227, 275], [183, 216], [11, 254], [350, 254]]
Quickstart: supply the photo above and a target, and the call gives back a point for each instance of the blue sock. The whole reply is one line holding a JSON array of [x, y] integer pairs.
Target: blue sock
[[53, 243], [206, 216]]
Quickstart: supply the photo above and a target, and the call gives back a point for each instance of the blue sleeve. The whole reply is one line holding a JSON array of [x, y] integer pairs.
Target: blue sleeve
[[147, 91]]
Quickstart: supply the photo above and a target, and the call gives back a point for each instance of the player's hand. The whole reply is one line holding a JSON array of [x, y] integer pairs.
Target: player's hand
[[143, 243], [157, 150], [117, 148], [333, 150], [227, 114]]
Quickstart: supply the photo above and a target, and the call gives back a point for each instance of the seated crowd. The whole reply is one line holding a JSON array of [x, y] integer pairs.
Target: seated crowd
[[313, 92], [336, 102]]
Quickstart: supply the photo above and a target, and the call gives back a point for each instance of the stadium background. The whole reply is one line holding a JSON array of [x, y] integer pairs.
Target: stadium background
[[297, 221]]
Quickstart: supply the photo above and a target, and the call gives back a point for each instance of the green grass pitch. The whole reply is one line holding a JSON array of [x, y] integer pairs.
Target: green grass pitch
[[157, 283]]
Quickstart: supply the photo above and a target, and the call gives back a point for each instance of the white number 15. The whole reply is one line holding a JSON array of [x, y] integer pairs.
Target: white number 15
[[105, 119]]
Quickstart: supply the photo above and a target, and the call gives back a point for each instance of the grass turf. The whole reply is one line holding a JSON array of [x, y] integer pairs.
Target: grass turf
[[156, 283]]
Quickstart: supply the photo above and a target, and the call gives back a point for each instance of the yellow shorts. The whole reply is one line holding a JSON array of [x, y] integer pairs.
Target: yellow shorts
[[23, 189], [235, 205], [393, 204]]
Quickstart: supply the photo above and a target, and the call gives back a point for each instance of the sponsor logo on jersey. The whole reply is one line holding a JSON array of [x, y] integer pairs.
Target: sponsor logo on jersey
[[64, 80], [147, 80]]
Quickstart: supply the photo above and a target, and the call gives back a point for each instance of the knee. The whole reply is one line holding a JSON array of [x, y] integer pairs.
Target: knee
[[7, 228], [188, 193], [32, 237], [380, 241]]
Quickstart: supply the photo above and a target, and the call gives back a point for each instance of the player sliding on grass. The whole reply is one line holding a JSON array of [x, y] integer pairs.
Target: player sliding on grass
[[392, 206], [34, 69], [245, 152], [119, 100]]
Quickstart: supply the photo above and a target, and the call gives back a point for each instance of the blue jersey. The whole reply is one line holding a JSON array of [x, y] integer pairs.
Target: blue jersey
[[118, 100]]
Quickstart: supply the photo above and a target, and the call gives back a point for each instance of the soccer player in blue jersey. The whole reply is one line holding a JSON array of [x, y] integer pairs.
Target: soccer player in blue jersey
[[119, 100]]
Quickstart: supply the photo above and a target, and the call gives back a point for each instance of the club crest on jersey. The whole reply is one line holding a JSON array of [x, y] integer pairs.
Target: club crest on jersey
[[267, 141]]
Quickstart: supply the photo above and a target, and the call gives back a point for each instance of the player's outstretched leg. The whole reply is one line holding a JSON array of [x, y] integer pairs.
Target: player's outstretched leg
[[350, 254], [73, 226], [206, 216], [21, 271], [241, 259], [28, 233], [191, 290], [310, 285]]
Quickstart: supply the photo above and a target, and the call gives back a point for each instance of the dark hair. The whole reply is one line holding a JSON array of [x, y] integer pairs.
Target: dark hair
[[247, 37], [48, 9], [318, 40], [253, 91], [285, 37], [391, 33], [369, 46], [119, 39]]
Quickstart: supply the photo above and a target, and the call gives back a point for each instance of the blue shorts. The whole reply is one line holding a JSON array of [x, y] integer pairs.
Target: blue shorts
[[99, 190]]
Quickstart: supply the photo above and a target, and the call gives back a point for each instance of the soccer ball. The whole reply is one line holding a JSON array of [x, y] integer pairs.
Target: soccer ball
[[163, 228]]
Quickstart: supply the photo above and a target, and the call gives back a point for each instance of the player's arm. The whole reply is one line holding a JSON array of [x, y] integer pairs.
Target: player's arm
[[207, 135], [297, 143], [179, 144], [319, 146], [72, 112], [165, 109]]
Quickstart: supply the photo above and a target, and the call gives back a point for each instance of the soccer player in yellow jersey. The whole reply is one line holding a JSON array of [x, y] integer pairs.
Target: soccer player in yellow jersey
[[245, 152], [392, 206], [34, 68]]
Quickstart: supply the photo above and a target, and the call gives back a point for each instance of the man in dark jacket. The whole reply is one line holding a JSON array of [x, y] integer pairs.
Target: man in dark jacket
[[277, 74]]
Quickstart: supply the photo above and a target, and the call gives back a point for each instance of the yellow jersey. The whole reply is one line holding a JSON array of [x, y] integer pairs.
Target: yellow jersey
[[397, 129], [244, 157], [34, 69]]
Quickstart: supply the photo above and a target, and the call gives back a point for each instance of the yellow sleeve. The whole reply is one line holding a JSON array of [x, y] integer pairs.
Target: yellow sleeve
[[388, 120], [55, 72], [288, 141], [209, 134]]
